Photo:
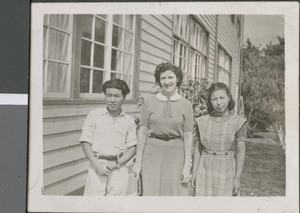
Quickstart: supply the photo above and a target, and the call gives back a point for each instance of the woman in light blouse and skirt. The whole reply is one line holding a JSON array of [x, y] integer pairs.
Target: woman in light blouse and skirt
[[165, 137]]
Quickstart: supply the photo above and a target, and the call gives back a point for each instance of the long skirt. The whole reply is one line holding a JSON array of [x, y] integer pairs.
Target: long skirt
[[162, 166], [215, 175]]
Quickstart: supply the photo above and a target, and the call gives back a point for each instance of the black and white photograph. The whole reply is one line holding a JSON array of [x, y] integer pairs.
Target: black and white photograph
[[164, 107]]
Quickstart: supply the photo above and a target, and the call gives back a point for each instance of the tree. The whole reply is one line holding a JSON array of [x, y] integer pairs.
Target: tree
[[263, 84]]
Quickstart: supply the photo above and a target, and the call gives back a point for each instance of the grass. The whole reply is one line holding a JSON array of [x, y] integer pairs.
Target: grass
[[264, 169]]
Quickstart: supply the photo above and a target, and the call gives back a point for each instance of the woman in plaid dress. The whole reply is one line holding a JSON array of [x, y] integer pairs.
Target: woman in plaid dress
[[217, 170]]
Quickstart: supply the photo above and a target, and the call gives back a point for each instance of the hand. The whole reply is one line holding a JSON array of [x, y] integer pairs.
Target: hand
[[236, 186], [137, 169], [102, 169], [112, 165], [186, 174]]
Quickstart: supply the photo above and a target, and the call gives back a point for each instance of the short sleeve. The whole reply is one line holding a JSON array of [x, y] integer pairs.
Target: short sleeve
[[145, 114], [188, 123], [131, 138], [241, 134], [88, 129]]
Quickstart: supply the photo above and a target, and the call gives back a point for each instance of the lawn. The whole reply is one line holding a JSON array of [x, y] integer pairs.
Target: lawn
[[264, 170]]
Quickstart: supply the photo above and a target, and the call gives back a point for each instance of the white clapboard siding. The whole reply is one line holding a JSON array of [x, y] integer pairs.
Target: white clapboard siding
[[61, 140], [67, 185], [149, 57], [155, 50], [65, 171], [229, 40], [147, 77], [53, 111], [148, 67], [208, 22], [156, 47], [149, 38], [62, 124], [61, 156]]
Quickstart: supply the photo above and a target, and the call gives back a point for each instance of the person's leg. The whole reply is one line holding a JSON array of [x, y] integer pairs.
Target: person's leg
[[95, 183], [118, 182]]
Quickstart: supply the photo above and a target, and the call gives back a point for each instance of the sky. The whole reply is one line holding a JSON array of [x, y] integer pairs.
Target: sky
[[263, 29]]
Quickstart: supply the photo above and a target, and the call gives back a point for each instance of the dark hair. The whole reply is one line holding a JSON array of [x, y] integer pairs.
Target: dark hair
[[215, 87], [163, 67], [116, 84]]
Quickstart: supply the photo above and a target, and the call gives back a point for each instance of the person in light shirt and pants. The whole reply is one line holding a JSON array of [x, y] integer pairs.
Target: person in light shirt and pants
[[109, 141]]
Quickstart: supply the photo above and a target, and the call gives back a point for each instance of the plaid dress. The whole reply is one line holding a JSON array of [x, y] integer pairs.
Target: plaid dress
[[217, 166]]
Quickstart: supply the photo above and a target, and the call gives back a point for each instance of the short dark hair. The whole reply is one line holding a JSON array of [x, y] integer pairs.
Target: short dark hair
[[215, 87], [116, 84], [163, 67]]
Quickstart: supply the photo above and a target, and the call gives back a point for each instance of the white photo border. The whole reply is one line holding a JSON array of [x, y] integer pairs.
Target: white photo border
[[289, 203]]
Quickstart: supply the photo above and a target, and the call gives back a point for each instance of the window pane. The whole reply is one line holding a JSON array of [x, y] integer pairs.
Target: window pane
[[204, 48], [118, 19], [184, 27], [99, 56], [203, 67], [116, 60], [100, 30], [127, 79], [128, 42], [44, 41], [221, 58], [56, 77], [60, 21], [46, 19], [115, 75], [176, 23], [86, 25], [58, 45], [129, 22], [193, 33], [127, 64], [227, 63], [85, 52], [84, 80], [221, 75], [97, 81], [117, 37]]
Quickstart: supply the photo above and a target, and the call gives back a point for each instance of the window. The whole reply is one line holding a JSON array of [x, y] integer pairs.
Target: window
[[107, 51], [238, 27], [232, 18], [57, 55], [190, 46], [104, 49], [224, 67]]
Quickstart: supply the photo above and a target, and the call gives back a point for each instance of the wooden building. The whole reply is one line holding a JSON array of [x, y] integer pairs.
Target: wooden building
[[80, 52]]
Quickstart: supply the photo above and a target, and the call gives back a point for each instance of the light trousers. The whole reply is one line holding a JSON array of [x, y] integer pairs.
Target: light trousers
[[115, 184]]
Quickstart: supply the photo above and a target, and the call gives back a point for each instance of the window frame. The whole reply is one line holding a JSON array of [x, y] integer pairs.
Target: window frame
[[229, 72], [73, 86], [46, 58], [107, 69], [189, 72]]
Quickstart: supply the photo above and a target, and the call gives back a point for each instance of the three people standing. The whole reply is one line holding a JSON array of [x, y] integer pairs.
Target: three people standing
[[165, 142]]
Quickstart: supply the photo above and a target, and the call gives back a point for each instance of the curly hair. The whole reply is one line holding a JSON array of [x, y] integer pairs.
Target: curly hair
[[116, 84], [163, 67], [215, 87]]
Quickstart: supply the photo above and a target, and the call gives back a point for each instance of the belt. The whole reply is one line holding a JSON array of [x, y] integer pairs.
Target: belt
[[210, 152], [163, 137], [109, 158]]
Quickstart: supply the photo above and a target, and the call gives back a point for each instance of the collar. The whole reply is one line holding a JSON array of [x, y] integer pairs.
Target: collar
[[161, 97], [106, 112]]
